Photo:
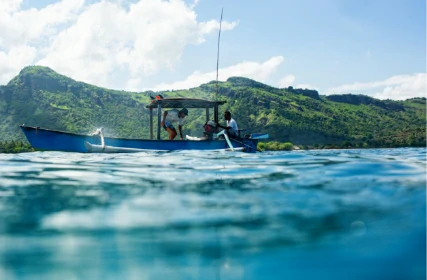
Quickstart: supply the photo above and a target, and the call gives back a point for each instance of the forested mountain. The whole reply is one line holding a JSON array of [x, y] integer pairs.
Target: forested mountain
[[39, 96]]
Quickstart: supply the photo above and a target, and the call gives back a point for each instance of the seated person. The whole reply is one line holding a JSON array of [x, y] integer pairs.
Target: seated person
[[170, 117], [231, 128]]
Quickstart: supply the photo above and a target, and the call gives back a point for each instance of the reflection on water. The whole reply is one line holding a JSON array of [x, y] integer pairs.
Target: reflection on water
[[336, 214]]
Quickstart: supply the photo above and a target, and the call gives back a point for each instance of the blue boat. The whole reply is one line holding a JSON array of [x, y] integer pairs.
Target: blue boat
[[54, 140]]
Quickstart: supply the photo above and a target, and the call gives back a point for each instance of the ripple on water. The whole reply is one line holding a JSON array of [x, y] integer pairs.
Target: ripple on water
[[142, 206]]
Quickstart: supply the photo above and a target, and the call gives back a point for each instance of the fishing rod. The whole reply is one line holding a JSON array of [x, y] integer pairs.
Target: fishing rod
[[217, 54]]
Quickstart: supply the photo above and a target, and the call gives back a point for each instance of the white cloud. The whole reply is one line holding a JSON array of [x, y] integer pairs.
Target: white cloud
[[22, 55], [306, 86], [133, 84], [253, 70], [286, 81], [34, 26], [9, 6], [289, 80], [213, 25], [399, 87], [194, 4], [24, 34], [90, 42]]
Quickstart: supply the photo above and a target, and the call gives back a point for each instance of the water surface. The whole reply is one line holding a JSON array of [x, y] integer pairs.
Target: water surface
[[327, 214]]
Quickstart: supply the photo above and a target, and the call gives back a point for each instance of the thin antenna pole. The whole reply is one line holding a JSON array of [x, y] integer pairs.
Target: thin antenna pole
[[217, 55]]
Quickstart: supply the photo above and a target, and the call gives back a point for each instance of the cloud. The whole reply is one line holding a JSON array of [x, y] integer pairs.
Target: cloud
[[286, 81], [253, 70], [194, 4], [22, 55], [34, 26], [103, 43], [306, 86], [24, 34], [213, 25], [398, 87], [9, 6]]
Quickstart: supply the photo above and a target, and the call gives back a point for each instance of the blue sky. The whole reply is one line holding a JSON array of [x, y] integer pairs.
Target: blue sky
[[372, 47]]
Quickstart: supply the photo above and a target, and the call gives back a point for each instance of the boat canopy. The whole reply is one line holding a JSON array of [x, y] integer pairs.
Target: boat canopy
[[189, 103], [184, 103]]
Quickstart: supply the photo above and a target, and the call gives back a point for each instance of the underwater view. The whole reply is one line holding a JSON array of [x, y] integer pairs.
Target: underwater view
[[317, 214]]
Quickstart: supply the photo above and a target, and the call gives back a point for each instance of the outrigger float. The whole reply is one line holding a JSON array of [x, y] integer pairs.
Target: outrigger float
[[53, 140]]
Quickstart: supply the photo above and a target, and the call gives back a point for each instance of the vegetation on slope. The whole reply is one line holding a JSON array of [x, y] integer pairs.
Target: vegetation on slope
[[305, 118], [15, 147], [39, 96]]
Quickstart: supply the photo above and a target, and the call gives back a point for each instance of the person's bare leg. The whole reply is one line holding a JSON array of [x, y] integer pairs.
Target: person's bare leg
[[172, 133]]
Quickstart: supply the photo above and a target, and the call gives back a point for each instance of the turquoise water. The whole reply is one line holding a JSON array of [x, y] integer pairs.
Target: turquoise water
[[329, 214]]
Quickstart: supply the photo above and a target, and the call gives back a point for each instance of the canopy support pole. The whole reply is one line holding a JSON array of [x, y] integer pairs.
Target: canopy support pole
[[151, 124], [159, 120], [216, 116]]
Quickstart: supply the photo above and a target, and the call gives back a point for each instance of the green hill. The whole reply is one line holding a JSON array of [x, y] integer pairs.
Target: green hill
[[39, 96]]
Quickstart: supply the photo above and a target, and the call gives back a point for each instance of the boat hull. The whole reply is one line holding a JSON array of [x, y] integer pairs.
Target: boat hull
[[92, 148], [52, 140]]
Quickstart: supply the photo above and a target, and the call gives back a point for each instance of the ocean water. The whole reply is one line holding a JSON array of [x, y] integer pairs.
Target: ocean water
[[326, 214]]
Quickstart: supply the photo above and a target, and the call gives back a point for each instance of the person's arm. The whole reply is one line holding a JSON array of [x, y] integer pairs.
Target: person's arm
[[224, 127], [165, 113], [180, 130]]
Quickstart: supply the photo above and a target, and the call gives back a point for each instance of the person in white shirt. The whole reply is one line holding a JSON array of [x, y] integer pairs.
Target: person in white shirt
[[170, 117], [231, 128]]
